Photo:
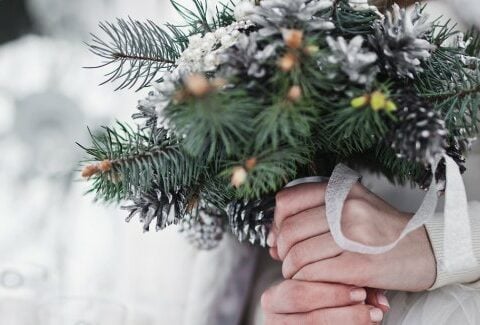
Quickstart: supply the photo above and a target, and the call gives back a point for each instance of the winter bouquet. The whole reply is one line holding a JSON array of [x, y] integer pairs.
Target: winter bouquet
[[250, 96]]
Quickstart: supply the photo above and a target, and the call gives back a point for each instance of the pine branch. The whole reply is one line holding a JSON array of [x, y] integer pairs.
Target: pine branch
[[141, 58], [129, 162], [350, 21], [347, 130], [473, 49], [137, 51], [220, 122], [352, 130], [454, 88], [199, 19], [272, 170], [284, 122], [459, 94]]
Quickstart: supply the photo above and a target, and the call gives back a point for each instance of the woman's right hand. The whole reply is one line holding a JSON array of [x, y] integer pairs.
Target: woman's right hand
[[301, 238]]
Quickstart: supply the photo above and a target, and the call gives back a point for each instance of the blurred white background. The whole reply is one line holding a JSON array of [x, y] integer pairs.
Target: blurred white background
[[53, 240]]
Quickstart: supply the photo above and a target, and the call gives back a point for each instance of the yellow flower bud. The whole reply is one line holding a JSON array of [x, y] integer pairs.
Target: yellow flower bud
[[390, 106], [378, 100], [311, 49], [359, 102]]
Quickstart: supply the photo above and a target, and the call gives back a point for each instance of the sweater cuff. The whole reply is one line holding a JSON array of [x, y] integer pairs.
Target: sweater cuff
[[435, 230]]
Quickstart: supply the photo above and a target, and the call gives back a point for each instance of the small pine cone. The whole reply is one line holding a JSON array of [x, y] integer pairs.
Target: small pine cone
[[454, 151], [357, 62], [205, 229], [273, 16], [251, 221], [400, 41], [419, 134], [166, 208]]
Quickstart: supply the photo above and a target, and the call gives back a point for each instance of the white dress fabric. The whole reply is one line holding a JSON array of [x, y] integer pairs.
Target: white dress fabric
[[450, 305]]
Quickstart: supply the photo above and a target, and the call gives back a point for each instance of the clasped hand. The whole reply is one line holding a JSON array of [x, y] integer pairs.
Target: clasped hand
[[327, 285]]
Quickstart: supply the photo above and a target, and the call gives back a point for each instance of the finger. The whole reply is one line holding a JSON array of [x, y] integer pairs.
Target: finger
[[274, 254], [292, 296], [348, 268], [272, 236], [352, 315], [296, 199], [377, 298], [309, 251], [299, 227]]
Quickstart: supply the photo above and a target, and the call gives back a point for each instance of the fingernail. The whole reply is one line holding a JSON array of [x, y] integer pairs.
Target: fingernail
[[271, 238], [376, 315], [382, 299], [358, 294]]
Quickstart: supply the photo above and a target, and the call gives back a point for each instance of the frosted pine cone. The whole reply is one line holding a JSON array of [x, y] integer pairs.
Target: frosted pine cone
[[275, 15], [420, 133], [246, 57], [356, 62], [166, 208], [204, 230], [251, 221], [400, 41]]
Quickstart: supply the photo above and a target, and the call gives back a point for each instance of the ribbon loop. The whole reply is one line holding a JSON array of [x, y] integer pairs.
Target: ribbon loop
[[457, 238]]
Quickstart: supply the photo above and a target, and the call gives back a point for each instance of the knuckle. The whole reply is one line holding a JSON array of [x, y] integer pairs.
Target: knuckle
[[282, 244], [358, 189], [266, 300], [297, 291], [294, 261], [305, 274], [285, 236], [288, 227], [357, 220], [281, 200]]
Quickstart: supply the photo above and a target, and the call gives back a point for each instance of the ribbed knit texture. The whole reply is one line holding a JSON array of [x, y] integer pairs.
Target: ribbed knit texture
[[435, 229]]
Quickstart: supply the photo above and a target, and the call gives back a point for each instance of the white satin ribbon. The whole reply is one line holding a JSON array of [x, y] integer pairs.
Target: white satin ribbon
[[458, 249]]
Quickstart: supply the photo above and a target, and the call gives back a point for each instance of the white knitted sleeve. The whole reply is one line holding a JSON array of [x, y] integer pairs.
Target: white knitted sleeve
[[435, 229]]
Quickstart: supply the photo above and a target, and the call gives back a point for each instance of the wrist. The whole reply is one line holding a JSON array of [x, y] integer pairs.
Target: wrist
[[435, 231]]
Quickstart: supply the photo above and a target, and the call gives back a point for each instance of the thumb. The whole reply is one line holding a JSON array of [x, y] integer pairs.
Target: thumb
[[377, 298]]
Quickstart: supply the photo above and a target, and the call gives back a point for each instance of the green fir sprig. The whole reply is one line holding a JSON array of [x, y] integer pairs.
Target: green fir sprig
[[288, 97]]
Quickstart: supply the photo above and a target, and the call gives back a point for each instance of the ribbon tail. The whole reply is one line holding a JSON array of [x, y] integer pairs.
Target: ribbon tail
[[458, 247]]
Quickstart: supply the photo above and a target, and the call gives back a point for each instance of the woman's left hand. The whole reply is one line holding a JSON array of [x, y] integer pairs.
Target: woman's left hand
[[298, 302], [301, 239]]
